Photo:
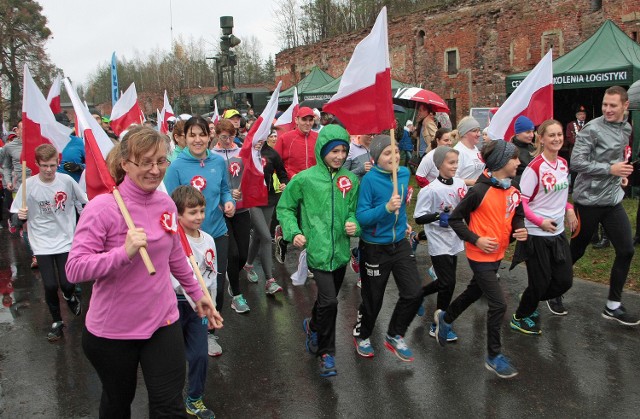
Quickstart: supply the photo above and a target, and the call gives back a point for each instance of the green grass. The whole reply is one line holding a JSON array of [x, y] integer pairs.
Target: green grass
[[595, 265]]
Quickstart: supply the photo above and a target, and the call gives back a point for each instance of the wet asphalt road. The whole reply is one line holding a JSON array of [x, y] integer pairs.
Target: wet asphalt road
[[581, 366]]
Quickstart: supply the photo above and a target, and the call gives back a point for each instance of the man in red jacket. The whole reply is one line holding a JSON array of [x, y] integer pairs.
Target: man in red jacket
[[297, 149]]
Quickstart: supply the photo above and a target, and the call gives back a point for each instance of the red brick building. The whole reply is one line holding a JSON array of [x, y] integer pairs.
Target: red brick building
[[464, 52]]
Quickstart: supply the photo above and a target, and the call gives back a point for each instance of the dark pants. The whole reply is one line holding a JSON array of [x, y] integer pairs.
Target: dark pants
[[53, 273], [484, 282], [325, 309], [638, 220], [445, 267], [377, 262], [222, 250], [239, 227], [162, 360], [194, 333], [618, 228], [549, 271]]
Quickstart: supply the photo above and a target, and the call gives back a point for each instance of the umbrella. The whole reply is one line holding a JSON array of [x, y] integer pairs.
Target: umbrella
[[416, 94]]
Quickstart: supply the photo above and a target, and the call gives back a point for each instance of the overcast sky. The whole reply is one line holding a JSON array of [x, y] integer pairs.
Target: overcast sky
[[86, 32]]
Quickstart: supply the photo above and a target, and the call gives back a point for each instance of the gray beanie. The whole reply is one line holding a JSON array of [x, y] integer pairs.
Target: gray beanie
[[467, 124], [378, 143], [440, 153], [500, 155]]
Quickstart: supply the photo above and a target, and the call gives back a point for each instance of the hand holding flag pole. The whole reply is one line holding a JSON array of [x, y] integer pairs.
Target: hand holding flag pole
[[215, 320]]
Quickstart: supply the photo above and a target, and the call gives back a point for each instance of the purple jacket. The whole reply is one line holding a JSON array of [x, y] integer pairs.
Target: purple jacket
[[126, 302]]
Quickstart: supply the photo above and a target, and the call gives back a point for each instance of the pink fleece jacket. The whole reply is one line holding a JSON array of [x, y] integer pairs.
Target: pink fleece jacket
[[126, 302]]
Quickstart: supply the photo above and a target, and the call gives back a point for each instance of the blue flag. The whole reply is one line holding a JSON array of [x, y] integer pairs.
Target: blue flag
[[114, 80]]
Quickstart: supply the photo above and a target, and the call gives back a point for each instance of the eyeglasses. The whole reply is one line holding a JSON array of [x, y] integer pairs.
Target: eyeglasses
[[224, 137], [147, 165]]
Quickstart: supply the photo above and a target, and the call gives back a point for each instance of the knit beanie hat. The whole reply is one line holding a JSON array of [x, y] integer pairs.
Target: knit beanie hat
[[468, 123], [523, 124], [378, 143], [440, 153], [331, 145], [501, 154]]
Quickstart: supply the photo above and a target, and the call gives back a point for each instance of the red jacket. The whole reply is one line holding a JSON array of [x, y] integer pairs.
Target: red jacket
[[297, 150]]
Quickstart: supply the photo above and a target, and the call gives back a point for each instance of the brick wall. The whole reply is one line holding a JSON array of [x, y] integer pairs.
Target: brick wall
[[492, 38]]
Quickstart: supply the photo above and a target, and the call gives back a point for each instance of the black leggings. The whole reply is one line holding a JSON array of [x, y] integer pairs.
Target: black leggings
[[239, 227], [52, 271], [618, 228], [162, 360]]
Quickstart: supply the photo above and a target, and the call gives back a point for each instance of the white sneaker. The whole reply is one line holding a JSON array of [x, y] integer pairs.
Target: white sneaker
[[214, 347]]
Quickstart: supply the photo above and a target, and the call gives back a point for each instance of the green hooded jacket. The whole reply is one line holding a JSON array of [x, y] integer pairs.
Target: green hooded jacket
[[325, 201]]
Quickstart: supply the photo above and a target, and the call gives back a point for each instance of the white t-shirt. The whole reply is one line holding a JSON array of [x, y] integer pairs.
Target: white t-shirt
[[51, 219], [546, 185], [433, 198], [204, 251], [470, 164], [427, 168]]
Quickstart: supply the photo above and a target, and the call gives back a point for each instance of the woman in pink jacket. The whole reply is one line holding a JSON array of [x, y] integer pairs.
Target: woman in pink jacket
[[133, 316]]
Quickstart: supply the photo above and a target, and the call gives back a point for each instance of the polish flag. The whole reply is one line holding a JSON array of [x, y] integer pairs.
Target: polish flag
[[96, 144], [287, 121], [363, 102], [126, 111], [216, 115], [53, 98], [160, 115], [167, 112], [38, 124], [252, 185], [533, 98]]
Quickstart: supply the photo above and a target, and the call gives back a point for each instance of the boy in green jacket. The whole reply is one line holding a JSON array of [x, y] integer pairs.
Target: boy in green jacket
[[317, 211]]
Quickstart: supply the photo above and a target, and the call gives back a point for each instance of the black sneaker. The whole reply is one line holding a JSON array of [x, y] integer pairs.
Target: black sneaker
[[526, 325], [621, 316], [56, 331], [74, 305], [556, 307]]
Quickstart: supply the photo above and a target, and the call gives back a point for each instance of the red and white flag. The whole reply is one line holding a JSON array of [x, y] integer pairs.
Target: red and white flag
[[253, 186], [159, 113], [287, 121], [53, 98], [167, 112], [533, 98], [216, 115], [96, 144], [126, 111], [39, 126], [363, 102]]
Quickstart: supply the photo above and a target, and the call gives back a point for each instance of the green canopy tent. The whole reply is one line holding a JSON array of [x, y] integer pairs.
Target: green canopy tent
[[316, 78], [324, 93], [580, 77]]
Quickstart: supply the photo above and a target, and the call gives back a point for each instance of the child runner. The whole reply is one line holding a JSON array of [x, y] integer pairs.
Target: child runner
[[317, 211], [383, 250], [493, 214], [53, 198], [545, 189], [191, 204], [434, 206]]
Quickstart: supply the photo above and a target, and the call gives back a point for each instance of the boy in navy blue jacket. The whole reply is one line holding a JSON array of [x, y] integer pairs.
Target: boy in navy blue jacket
[[384, 250]]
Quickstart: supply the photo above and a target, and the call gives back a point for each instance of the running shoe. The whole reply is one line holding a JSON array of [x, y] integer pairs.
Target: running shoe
[[12, 228], [271, 287], [34, 262], [359, 282], [397, 345], [213, 347], [363, 347], [239, 304], [309, 274], [74, 305], [327, 366], [556, 307], [526, 325], [355, 261], [280, 249], [621, 316], [413, 239], [442, 327], [56, 331], [198, 409], [451, 336], [252, 276], [432, 273], [501, 365], [421, 310], [311, 342]]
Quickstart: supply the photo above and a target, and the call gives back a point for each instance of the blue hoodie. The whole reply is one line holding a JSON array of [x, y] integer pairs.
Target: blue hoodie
[[216, 190], [378, 225]]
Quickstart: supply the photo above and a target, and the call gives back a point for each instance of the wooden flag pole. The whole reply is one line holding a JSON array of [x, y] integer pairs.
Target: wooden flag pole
[[127, 218], [196, 270], [24, 184], [394, 164]]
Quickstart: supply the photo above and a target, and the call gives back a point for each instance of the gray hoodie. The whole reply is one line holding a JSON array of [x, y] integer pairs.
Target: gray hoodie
[[599, 145], [11, 164]]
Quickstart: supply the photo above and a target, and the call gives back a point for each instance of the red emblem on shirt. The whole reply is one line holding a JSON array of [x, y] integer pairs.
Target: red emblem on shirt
[[60, 198], [409, 194], [234, 168], [344, 184], [209, 258], [548, 181], [513, 201], [627, 154], [461, 193], [168, 222], [199, 183]]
